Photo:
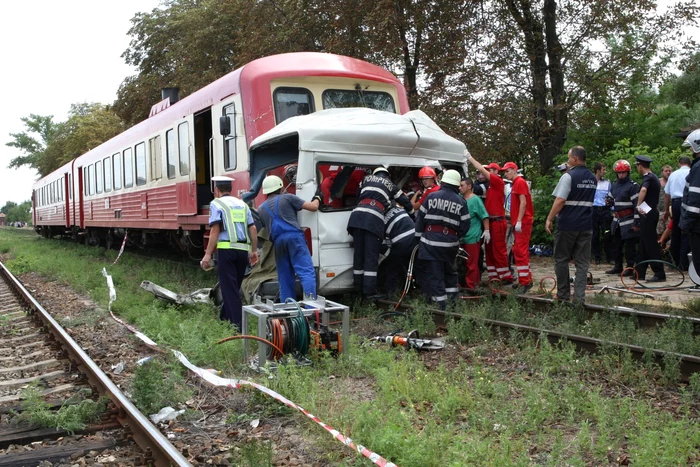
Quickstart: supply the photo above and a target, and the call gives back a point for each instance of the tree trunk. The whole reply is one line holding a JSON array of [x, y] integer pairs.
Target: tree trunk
[[550, 108]]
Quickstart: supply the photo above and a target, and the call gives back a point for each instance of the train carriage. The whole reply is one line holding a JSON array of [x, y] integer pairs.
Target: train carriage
[[53, 204], [155, 178]]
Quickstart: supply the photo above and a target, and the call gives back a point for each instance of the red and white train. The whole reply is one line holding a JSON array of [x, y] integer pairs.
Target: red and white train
[[155, 178]]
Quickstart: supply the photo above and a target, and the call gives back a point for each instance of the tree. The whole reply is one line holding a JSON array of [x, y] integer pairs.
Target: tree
[[17, 212], [33, 142], [48, 145]]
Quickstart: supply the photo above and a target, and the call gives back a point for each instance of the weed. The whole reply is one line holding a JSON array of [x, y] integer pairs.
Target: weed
[[158, 384], [253, 453], [68, 417]]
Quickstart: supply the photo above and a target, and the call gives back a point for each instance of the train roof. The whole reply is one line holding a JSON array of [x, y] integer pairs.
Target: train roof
[[366, 132], [55, 175]]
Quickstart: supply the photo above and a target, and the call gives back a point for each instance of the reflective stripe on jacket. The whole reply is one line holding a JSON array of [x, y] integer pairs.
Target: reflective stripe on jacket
[[235, 215]]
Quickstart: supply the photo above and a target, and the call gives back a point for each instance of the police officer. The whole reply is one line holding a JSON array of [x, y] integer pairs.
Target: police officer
[[442, 220], [279, 216], [376, 193], [234, 236], [624, 228], [399, 240], [648, 247], [573, 207], [690, 205]]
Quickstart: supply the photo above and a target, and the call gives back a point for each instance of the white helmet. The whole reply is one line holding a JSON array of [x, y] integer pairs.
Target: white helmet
[[451, 177], [693, 141], [379, 169], [271, 184]]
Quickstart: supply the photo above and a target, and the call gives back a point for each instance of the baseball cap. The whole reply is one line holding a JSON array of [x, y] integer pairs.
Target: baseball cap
[[494, 166], [509, 165]]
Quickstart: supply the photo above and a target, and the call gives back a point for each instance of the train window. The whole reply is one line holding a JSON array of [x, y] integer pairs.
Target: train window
[[108, 174], [86, 181], [291, 102], [154, 147], [170, 154], [230, 140], [91, 177], [52, 189], [128, 168], [60, 190], [341, 98], [117, 166], [99, 177], [70, 186], [141, 164], [183, 137]]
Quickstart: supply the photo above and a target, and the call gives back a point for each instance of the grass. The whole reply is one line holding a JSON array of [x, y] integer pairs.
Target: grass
[[71, 416], [515, 400]]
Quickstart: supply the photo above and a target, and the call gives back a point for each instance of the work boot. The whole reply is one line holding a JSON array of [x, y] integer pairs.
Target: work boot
[[615, 270], [629, 273], [657, 278]]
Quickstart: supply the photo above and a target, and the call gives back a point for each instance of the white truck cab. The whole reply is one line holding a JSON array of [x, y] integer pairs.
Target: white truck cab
[[343, 144]]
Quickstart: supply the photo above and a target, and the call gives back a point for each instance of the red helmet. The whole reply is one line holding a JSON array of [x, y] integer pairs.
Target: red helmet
[[622, 166], [427, 172]]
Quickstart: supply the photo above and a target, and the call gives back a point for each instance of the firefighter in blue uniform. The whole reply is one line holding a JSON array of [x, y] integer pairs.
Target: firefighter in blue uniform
[[279, 216], [690, 204], [442, 220], [234, 236], [376, 193], [624, 229], [399, 240]]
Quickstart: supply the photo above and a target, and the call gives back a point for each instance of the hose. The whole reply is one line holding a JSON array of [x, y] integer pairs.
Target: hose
[[650, 287], [409, 277], [255, 338], [300, 329]]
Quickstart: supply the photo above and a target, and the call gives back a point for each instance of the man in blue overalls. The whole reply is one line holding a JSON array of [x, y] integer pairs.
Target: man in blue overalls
[[234, 236], [279, 216]]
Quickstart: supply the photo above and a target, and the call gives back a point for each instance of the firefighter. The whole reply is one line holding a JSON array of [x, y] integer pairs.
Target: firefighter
[[496, 251], [442, 220], [690, 205], [234, 236], [279, 216], [648, 198], [521, 218], [366, 225], [399, 240], [428, 180], [624, 229]]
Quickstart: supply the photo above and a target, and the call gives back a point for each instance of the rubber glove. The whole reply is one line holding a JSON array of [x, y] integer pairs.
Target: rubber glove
[[486, 236], [518, 227], [467, 155]]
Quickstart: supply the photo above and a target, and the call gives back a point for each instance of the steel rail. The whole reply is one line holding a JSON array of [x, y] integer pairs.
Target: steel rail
[[646, 319], [159, 451], [689, 364]]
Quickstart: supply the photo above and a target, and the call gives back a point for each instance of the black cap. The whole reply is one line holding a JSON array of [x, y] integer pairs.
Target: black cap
[[646, 159]]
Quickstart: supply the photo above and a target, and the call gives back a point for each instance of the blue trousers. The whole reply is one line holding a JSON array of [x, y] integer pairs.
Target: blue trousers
[[231, 265], [292, 256]]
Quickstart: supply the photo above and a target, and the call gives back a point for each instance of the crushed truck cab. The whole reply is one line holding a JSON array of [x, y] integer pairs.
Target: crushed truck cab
[[339, 146]]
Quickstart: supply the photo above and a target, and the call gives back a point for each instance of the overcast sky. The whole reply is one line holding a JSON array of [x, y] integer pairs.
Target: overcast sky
[[54, 54]]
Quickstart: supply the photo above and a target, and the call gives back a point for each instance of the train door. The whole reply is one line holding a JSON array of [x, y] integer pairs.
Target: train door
[[81, 200], [203, 149]]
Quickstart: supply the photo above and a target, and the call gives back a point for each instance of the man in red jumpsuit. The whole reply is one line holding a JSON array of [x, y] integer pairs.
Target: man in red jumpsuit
[[496, 251], [521, 218]]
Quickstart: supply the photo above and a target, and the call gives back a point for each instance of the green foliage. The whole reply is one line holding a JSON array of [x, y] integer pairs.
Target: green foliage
[[70, 416], [157, 384], [17, 212], [253, 453]]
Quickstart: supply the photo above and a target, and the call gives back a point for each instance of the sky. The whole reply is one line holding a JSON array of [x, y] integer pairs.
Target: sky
[[54, 54]]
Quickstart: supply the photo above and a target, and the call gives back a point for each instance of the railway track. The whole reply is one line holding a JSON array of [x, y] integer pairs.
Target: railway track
[[35, 349], [689, 364]]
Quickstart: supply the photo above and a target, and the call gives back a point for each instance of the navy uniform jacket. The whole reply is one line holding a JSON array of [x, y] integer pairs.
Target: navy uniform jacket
[[442, 220], [625, 193], [690, 206], [400, 231], [376, 195]]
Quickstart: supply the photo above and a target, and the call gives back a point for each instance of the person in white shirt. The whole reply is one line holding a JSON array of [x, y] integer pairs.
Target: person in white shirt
[[673, 194]]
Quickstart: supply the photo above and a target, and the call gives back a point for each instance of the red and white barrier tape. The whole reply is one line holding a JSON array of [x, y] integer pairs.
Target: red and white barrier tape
[[121, 250], [215, 380]]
